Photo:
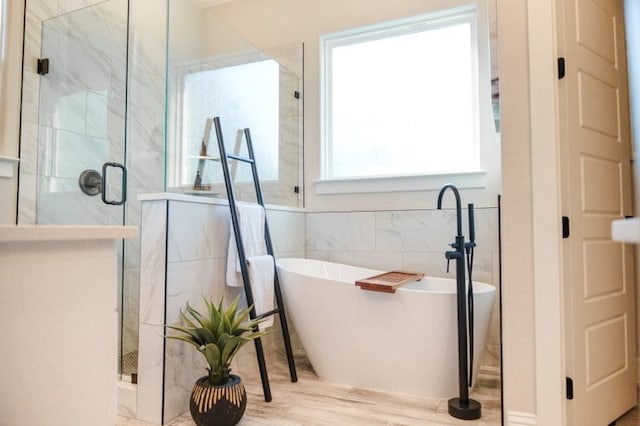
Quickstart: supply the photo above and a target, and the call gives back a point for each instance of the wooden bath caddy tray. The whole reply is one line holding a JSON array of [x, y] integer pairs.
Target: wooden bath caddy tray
[[388, 282]]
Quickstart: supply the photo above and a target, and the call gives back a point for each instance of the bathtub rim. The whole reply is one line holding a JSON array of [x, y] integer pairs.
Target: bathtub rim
[[478, 286]]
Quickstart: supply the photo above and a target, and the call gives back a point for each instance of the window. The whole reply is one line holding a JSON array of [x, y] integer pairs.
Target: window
[[243, 95], [401, 99]]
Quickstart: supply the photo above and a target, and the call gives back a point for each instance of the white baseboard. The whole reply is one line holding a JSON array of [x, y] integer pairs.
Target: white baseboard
[[515, 418]]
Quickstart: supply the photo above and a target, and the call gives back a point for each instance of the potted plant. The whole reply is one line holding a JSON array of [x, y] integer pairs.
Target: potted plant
[[218, 398]]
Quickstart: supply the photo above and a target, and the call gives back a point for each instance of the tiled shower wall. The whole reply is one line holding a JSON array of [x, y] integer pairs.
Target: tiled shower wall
[[190, 236], [41, 129], [92, 76]]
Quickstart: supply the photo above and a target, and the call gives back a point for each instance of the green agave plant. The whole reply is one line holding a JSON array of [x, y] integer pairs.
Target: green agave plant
[[218, 335]]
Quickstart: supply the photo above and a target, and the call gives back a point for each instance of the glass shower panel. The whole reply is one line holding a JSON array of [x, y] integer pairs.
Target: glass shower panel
[[228, 77], [81, 140], [81, 117]]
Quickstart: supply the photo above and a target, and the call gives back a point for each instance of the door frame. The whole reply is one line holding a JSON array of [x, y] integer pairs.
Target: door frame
[[534, 312], [546, 219]]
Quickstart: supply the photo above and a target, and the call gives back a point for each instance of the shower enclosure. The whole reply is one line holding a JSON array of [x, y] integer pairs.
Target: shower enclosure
[[99, 139], [82, 143], [110, 111]]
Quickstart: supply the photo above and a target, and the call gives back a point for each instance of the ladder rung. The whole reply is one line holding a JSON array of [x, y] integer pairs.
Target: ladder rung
[[239, 158], [268, 313]]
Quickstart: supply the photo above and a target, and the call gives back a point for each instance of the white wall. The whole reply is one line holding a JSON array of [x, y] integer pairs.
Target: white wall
[[189, 235], [517, 244], [273, 23], [10, 76], [76, 377]]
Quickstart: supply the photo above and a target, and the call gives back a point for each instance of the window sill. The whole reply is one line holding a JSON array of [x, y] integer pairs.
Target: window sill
[[463, 180]]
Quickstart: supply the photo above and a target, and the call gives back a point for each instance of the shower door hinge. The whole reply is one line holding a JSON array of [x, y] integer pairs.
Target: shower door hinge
[[565, 227], [296, 189], [43, 66], [561, 68], [569, 388], [296, 94]]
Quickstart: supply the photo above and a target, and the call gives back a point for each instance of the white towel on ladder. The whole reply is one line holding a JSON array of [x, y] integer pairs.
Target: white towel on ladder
[[261, 276], [251, 220]]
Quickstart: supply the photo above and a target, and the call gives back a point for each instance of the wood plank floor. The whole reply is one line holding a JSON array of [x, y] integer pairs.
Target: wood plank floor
[[631, 418], [313, 402]]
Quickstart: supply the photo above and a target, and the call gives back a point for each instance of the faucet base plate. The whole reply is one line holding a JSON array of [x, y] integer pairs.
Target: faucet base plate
[[470, 411]]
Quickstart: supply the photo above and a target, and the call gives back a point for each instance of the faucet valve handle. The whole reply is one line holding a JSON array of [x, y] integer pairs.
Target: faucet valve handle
[[451, 255]]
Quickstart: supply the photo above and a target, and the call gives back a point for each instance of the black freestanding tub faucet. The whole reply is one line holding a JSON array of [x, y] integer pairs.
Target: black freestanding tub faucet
[[462, 407]]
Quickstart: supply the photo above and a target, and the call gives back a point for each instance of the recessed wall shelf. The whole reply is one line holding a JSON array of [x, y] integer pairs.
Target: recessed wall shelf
[[201, 192], [7, 166], [204, 157]]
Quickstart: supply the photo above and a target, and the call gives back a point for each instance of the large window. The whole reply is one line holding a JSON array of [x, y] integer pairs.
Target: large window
[[401, 99]]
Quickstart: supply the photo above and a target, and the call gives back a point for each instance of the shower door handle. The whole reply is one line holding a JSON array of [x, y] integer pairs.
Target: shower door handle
[[123, 197]]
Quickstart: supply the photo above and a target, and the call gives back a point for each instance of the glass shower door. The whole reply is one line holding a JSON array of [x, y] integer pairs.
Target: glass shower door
[[82, 110]]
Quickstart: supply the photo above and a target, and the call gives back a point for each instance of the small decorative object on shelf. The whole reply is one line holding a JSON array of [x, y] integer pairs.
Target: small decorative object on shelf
[[197, 185], [203, 149]]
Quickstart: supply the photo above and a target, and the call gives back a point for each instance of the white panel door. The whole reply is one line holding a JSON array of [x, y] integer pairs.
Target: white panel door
[[596, 188]]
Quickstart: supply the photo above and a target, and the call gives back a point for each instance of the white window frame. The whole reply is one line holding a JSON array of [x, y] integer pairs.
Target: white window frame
[[396, 183]]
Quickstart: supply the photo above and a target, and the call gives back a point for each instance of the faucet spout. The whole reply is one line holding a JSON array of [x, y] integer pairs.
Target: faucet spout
[[458, 205]]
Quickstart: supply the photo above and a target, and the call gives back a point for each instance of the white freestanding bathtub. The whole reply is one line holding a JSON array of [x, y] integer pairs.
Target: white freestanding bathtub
[[403, 342]]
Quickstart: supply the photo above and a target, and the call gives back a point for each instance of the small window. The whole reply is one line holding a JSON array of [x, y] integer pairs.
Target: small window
[[401, 99], [243, 95]]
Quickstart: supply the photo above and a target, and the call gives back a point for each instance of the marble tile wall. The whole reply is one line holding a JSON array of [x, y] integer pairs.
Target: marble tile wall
[[81, 111], [73, 118], [194, 249], [145, 138], [153, 258], [36, 13], [412, 240]]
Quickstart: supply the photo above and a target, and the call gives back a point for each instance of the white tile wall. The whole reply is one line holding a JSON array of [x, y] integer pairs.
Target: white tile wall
[[341, 232], [151, 311], [196, 246], [411, 240]]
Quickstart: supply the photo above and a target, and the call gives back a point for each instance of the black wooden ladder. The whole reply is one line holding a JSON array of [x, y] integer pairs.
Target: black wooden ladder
[[224, 158]]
